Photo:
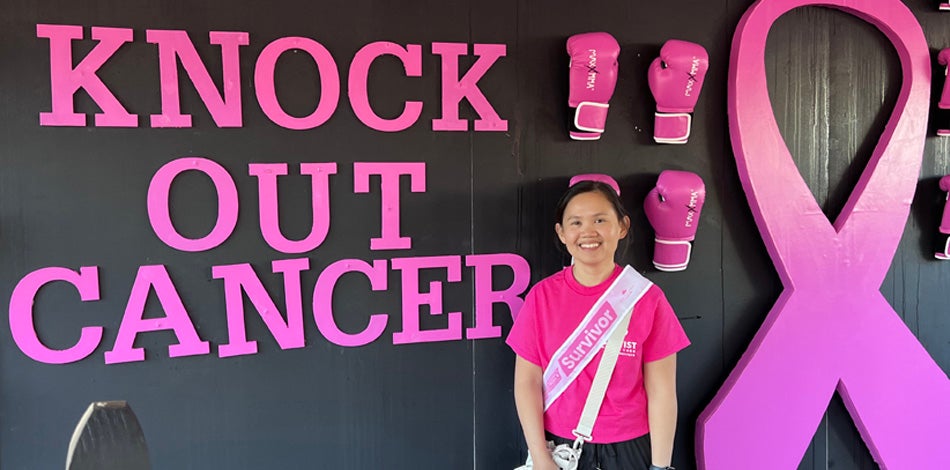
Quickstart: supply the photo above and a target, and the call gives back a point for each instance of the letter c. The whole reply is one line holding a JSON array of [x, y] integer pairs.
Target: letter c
[[21, 314], [323, 301]]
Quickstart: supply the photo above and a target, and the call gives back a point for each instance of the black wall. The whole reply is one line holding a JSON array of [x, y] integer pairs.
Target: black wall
[[75, 196]]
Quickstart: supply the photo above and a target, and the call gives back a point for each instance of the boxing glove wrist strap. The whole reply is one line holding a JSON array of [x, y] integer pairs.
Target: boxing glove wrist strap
[[671, 128], [589, 120], [671, 255]]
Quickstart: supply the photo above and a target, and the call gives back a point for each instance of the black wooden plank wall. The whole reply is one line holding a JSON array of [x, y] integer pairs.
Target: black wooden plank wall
[[74, 196]]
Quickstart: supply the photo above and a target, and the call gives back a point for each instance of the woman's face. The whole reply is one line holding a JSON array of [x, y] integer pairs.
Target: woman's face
[[591, 230]]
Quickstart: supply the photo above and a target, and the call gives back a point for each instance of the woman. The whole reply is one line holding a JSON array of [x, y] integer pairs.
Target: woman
[[637, 420]]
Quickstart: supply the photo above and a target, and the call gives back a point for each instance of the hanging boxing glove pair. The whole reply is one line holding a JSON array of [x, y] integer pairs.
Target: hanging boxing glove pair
[[675, 78], [672, 207], [943, 130], [943, 126]]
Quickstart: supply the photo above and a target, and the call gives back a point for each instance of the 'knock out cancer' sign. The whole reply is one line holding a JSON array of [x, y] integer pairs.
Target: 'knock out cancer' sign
[[69, 74]]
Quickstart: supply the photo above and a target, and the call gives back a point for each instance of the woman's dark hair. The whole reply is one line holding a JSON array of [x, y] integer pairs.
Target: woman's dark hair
[[589, 186]]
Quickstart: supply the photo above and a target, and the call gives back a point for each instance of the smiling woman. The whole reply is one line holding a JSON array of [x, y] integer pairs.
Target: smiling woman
[[591, 228], [590, 222], [557, 332]]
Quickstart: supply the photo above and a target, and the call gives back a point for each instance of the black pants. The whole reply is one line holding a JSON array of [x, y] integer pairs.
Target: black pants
[[634, 454]]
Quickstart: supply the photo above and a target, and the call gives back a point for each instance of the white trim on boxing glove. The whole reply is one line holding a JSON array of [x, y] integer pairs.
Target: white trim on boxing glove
[[945, 254], [584, 136]]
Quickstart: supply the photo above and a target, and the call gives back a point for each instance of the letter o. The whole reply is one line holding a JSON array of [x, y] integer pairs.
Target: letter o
[[267, 94], [158, 210]]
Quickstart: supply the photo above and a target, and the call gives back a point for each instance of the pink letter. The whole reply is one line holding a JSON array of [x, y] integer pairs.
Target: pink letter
[[65, 80], [389, 185], [485, 297], [453, 89], [323, 301], [267, 95], [176, 319], [21, 314], [412, 299], [411, 58], [226, 112], [241, 277], [267, 174], [158, 210]]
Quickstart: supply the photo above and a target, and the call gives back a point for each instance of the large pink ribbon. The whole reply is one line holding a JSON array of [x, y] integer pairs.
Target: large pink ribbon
[[831, 329]]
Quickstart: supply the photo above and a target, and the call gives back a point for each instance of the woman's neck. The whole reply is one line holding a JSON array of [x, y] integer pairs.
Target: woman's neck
[[590, 275]]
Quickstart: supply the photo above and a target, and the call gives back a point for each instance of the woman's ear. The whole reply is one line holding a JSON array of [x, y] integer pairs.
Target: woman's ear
[[625, 223], [560, 233]]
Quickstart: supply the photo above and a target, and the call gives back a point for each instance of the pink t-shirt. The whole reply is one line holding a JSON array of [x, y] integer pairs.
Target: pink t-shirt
[[552, 310]]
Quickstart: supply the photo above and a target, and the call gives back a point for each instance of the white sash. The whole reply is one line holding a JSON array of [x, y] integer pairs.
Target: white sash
[[592, 333]]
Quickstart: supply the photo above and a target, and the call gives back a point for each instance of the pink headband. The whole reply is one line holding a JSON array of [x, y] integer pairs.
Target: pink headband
[[599, 177]]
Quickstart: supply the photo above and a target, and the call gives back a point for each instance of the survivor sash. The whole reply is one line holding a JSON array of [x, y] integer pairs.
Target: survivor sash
[[592, 333]]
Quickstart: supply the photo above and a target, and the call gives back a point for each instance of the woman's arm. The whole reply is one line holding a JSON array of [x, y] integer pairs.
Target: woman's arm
[[659, 378], [529, 400]]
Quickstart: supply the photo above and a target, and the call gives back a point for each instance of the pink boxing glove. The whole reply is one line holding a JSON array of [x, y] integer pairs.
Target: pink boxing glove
[[944, 59], [676, 78], [945, 221], [593, 76], [673, 208]]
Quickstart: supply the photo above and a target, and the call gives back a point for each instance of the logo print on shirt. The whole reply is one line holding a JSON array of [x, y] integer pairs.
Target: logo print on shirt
[[629, 348]]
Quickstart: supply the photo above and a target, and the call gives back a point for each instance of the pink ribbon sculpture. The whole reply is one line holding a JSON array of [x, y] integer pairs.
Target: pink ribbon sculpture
[[831, 329]]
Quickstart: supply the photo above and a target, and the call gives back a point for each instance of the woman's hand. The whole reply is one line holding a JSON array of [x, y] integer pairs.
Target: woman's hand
[[544, 462]]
